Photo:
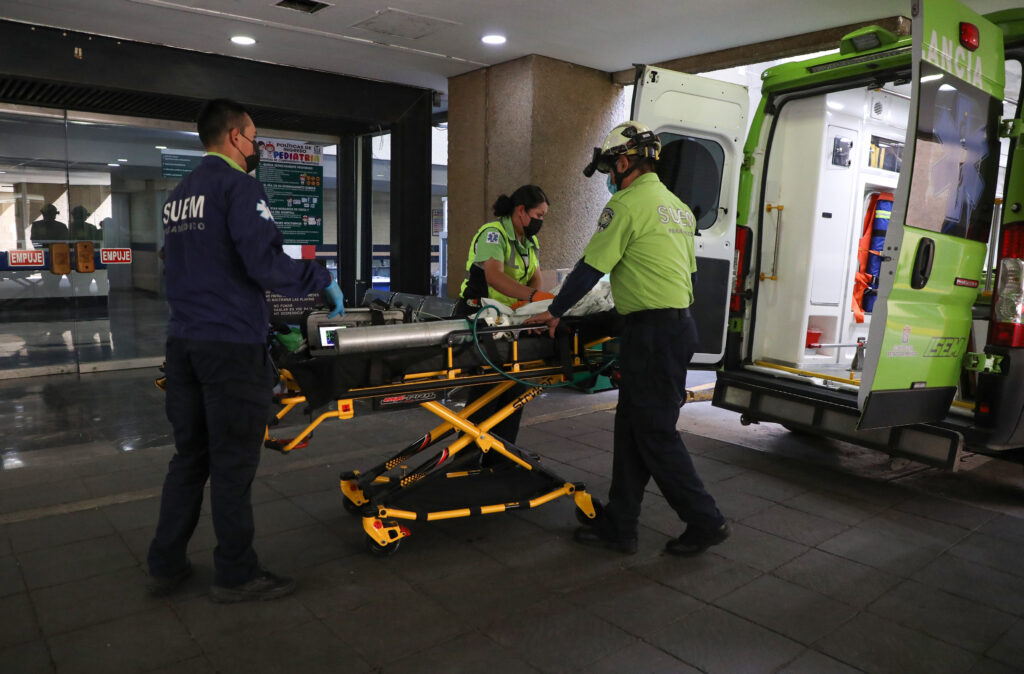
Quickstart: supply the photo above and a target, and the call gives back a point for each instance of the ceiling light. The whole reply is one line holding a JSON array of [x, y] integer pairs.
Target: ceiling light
[[160, 147], [243, 40], [117, 165], [493, 39], [122, 160]]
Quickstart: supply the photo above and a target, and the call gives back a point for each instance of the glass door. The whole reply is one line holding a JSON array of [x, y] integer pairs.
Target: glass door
[[36, 305]]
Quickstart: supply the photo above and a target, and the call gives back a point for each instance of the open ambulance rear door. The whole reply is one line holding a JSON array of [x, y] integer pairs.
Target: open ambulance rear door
[[702, 124], [935, 246]]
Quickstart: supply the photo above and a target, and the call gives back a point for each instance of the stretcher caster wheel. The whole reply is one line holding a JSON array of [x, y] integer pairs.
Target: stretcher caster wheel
[[352, 509], [379, 550]]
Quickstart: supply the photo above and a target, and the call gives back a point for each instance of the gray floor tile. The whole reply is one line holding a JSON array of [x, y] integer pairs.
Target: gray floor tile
[[51, 566], [309, 648], [326, 505], [5, 542], [280, 515], [758, 549], [735, 504], [712, 470], [133, 514], [945, 510], [599, 439], [301, 481], [297, 549], [634, 602], [19, 620], [987, 666], [788, 609], [200, 665], [842, 579], [47, 532], [1009, 650], [124, 481], [944, 616], [707, 576], [81, 603], [430, 554], [975, 582], [718, 642], [833, 506], [38, 496], [402, 621], [140, 642], [879, 646], [1006, 527], [795, 525], [813, 662], [765, 486], [11, 581], [997, 553], [30, 657], [211, 623], [465, 654], [885, 550], [640, 658], [483, 597], [558, 637]]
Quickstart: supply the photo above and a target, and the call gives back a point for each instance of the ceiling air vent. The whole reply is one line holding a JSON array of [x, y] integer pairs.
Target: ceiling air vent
[[307, 6]]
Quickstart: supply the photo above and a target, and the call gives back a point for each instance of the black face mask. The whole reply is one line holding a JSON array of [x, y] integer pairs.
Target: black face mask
[[531, 229], [252, 160]]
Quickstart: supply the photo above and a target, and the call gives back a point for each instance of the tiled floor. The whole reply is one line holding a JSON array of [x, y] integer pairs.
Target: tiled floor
[[826, 571]]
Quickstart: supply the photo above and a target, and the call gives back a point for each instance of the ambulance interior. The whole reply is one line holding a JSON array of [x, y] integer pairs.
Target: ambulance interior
[[833, 166]]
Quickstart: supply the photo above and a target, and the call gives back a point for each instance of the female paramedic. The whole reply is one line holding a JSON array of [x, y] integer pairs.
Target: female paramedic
[[503, 266]]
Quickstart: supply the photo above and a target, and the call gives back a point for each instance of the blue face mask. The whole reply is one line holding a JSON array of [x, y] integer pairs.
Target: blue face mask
[[612, 187]]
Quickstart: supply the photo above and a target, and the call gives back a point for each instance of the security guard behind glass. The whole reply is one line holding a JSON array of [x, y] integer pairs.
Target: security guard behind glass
[[644, 239], [222, 251], [503, 265]]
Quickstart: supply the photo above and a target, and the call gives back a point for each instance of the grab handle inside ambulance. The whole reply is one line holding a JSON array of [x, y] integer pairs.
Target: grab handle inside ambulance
[[922, 264]]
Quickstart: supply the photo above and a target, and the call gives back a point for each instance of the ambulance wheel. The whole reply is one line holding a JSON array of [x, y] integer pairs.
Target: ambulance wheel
[[378, 550], [351, 508]]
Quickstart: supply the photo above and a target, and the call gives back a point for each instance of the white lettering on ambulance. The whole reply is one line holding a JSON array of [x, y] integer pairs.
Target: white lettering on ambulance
[[953, 58]]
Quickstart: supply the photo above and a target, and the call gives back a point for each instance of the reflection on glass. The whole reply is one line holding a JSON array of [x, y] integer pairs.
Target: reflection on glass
[[956, 158]]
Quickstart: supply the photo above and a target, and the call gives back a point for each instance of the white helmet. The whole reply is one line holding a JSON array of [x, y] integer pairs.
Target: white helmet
[[628, 138]]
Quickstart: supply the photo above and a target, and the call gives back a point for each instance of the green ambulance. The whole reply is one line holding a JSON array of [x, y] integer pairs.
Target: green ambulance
[[860, 233]]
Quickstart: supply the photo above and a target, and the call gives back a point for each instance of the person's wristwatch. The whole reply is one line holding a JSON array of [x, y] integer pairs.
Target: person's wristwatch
[[532, 293]]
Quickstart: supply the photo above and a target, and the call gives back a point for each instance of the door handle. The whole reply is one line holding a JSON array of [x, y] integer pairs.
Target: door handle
[[922, 263]]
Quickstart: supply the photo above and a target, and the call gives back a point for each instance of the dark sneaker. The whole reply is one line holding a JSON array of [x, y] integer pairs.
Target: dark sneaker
[[264, 586], [161, 586], [595, 537], [694, 541]]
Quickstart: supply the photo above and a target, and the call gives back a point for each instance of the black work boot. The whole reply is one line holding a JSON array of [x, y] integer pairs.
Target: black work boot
[[263, 586], [695, 541], [161, 586]]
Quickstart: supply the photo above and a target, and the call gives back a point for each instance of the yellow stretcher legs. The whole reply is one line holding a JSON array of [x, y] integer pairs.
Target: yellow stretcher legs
[[368, 493]]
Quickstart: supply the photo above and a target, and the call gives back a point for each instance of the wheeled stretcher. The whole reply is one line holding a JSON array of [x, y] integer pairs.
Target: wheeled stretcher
[[449, 481]]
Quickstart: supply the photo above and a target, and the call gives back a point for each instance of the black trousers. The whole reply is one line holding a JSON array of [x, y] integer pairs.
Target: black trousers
[[218, 399], [654, 355]]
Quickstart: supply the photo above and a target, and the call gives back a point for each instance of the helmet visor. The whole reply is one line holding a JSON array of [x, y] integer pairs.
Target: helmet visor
[[602, 163]]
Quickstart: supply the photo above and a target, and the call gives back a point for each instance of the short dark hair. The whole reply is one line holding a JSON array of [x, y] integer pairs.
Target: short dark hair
[[217, 118], [528, 196]]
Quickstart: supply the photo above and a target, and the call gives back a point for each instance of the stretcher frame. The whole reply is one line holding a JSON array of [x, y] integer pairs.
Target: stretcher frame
[[367, 493]]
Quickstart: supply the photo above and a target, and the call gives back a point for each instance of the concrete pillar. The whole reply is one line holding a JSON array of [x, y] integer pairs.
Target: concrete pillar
[[532, 120]]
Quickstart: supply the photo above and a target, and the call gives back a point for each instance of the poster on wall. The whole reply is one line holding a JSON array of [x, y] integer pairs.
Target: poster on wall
[[292, 174]]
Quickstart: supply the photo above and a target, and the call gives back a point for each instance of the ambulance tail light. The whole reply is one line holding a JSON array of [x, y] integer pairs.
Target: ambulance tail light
[[1007, 327], [742, 267], [969, 37]]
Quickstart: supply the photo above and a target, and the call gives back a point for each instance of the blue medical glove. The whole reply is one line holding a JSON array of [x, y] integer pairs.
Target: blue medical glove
[[334, 293]]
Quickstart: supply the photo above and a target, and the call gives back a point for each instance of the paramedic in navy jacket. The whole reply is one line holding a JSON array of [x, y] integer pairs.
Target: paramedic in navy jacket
[[222, 250]]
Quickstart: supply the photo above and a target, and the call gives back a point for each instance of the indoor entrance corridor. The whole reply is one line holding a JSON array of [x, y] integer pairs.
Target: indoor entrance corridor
[[840, 560]]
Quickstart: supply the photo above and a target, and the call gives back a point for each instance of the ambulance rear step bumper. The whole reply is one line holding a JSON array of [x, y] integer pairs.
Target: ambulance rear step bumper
[[832, 414]]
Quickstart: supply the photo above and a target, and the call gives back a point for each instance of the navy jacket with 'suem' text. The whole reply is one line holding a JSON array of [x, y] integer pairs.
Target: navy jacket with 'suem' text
[[222, 250]]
